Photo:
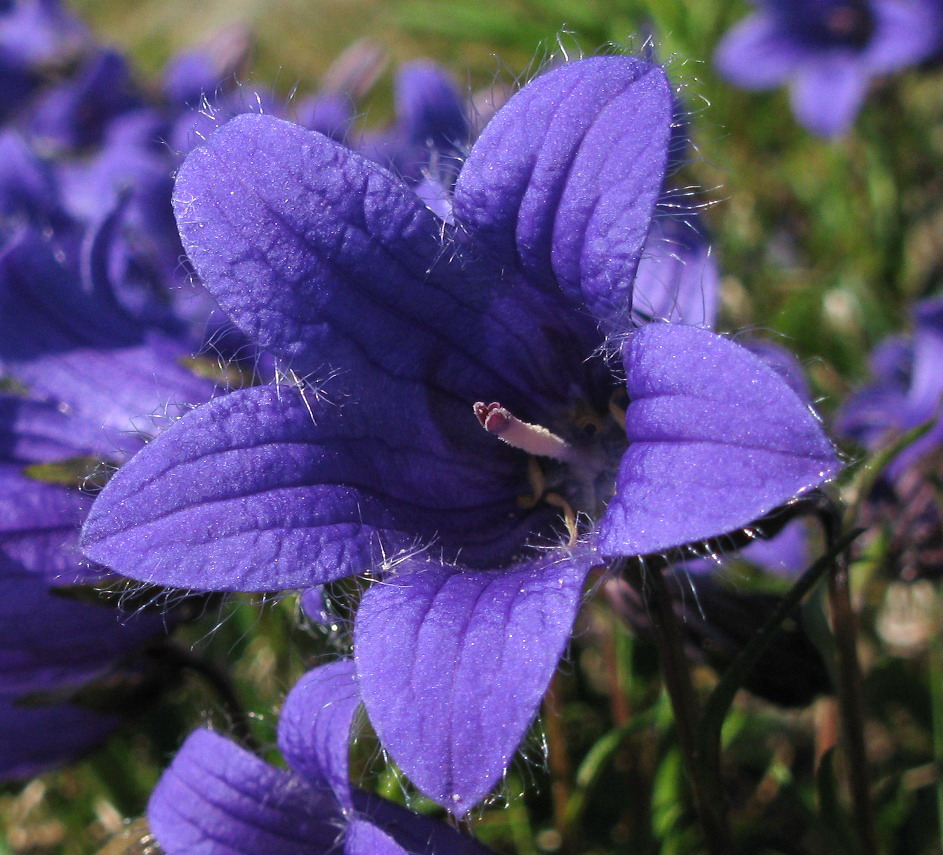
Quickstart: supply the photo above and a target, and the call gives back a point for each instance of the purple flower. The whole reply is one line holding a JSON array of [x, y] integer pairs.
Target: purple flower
[[74, 113], [35, 739], [39, 33], [827, 51], [41, 722], [28, 190], [786, 551], [432, 130], [55, 651], [66, 338], [218, 798], [485, 528], [92, 380], [36, 36], [907, 391], [677, 278]]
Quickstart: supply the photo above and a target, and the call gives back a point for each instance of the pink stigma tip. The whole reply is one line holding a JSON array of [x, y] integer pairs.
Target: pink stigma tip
[[493, 417], [533, 439]]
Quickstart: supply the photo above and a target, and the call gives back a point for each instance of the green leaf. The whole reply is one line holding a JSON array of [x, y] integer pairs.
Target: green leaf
[[74, 472], [834, 821], [596, 761]]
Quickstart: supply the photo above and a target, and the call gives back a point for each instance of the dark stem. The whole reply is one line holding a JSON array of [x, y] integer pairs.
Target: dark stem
[[620, 707], [936, 703], [707, 794], [733, 678], [850, 689]]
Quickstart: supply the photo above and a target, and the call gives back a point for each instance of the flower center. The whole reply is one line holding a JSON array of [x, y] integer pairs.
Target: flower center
[[577, 474], [850, 23]]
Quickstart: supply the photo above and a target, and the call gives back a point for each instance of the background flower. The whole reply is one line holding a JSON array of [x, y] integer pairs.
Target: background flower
[[827, 51]]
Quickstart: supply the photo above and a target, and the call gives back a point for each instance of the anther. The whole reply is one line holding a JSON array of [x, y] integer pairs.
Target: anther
[[533, 439], [535, 477]]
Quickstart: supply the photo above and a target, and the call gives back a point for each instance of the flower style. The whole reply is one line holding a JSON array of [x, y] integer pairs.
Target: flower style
[[482, 529], [827, 51], [219, 798]]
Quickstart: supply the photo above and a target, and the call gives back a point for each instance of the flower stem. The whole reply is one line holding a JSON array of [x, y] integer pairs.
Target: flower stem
[[936, 700], [558, 758], [850, 690], [616, 654], [733, 678], [707, 794]]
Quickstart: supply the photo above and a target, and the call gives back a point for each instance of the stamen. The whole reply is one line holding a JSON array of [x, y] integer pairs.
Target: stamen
[[569, 517], [617, 408], [535, 477], [533, 439]]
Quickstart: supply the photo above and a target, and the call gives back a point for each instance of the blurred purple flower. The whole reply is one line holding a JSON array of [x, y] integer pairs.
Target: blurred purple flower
[[677, 278], [216, 797], [74, 113], [57, 654], [53, 647], [485, 529], [827, 51], [431, 132], [36, 37], [40, 33], [907, 391], [91, 380], [195, 74]]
